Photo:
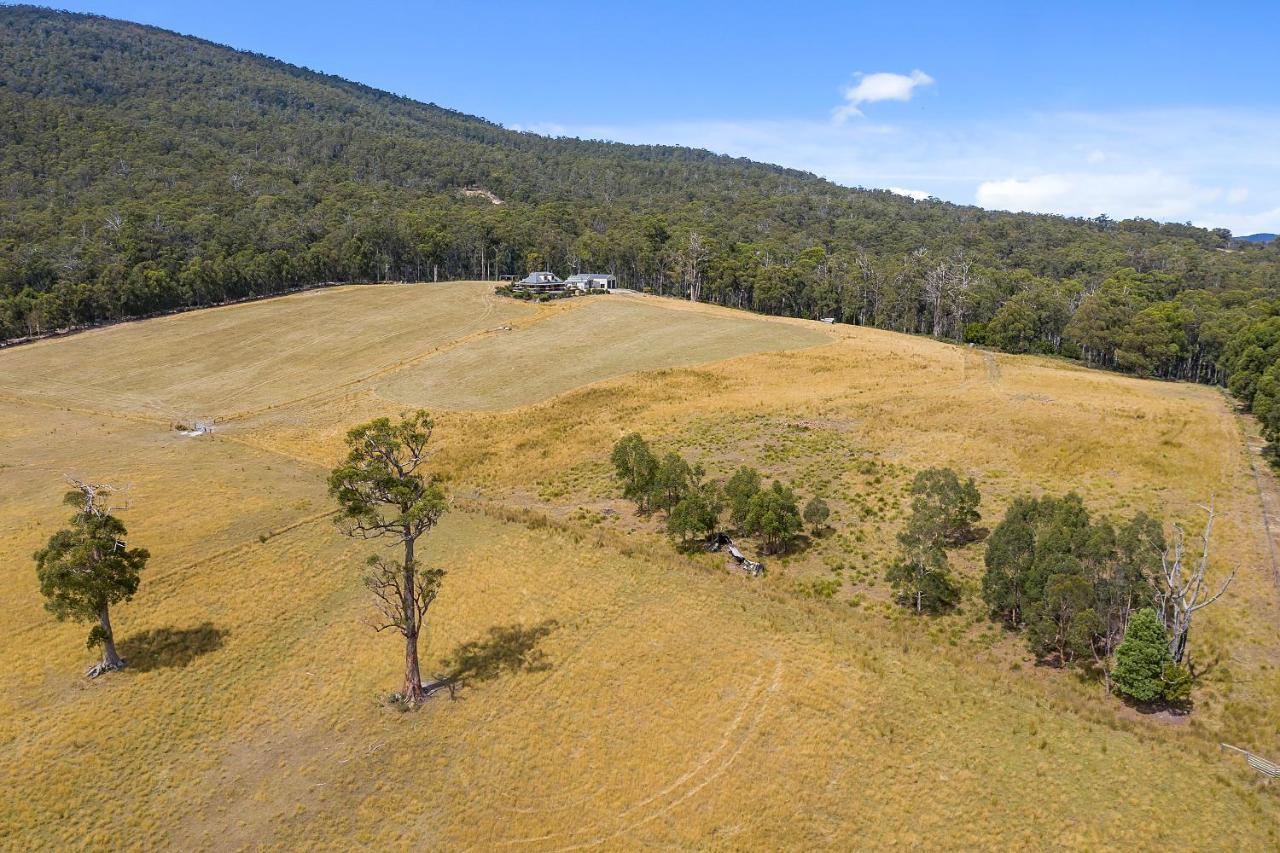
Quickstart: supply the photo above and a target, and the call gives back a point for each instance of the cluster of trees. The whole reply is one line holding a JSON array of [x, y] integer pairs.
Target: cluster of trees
[[1114, 598], [144, 171], [944, 510], [1069, 581], [694, 504], [1094, 593]]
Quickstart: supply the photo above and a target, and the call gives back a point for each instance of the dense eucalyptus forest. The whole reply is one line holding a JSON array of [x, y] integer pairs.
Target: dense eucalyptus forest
[[142, 171]]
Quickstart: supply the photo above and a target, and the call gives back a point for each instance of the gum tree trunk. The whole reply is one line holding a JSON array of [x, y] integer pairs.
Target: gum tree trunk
[[110, 659], [413, 692]]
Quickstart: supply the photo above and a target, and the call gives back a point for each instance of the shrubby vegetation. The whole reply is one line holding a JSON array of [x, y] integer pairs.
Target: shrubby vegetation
[[817, 513], [1144, 670], [943, 512], [1068, 581], [147, 172], [694, 505]]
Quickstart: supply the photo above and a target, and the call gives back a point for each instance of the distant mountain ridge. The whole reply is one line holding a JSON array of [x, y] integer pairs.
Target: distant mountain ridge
[[1257, 238]]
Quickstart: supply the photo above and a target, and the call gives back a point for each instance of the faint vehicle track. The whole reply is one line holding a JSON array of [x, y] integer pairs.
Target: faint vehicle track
[[759, 697], [1268, 489], [336, 391], [993, 367]]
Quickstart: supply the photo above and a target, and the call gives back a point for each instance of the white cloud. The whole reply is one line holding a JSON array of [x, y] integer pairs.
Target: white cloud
[[881, 86], [1264, 221], [918, 195], [1151, 194]]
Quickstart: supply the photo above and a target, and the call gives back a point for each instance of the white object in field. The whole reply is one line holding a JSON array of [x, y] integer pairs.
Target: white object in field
[[720, 540]]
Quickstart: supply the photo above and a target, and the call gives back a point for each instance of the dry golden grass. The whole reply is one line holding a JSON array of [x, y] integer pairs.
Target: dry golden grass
[[223, 361], [635, 697], [604, 338]]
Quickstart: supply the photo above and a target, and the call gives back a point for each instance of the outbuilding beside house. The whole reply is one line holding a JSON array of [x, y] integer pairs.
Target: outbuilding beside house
[[592, 281]]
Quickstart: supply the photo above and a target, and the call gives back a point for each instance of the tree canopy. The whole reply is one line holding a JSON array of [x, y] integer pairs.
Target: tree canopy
[[772, 514], [1069, 580], [1142, 657], [87, 567]]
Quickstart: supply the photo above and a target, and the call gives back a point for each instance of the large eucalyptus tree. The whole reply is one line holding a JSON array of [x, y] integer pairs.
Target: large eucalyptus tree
[[383, 493]]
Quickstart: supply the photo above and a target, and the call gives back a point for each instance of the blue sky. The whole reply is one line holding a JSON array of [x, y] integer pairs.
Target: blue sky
[[1167, 110]]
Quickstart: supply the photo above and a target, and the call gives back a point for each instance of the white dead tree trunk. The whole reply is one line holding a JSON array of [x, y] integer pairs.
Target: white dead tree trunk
[[100, 499], [935, 291], [946, 288], [1182, 587], [691, 259], [868, 289], [962, 285]]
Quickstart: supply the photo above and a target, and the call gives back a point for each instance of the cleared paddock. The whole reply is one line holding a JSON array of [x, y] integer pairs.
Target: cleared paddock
[[602, 338], [221, 361]]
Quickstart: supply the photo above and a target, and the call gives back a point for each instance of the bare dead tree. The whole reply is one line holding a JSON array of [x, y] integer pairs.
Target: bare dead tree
[[100, 499], [399, 607], [962, 286], [946, 286], [691, 257], [868, 289], [936, 281], [1182, 589]]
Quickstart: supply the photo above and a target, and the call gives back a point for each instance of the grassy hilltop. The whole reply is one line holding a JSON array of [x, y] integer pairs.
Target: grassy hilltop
[[619, 694]]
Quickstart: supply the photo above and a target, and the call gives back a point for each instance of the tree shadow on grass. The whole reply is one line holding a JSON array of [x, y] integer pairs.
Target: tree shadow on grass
[[506, 649], [796, 545], [967, 537], [160, 648], [1159, 707]]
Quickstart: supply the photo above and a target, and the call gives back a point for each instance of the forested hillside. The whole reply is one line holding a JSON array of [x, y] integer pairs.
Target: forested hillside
[[144, 171]]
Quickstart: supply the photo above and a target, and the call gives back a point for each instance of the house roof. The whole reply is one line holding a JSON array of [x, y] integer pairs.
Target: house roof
[[540, 277]]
